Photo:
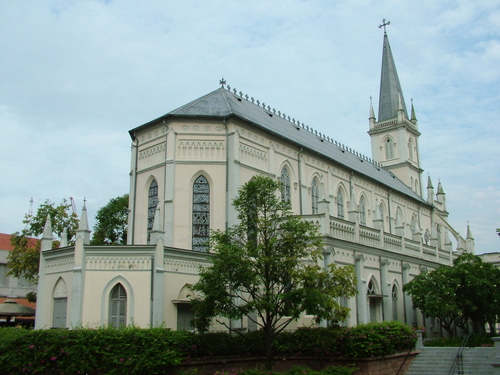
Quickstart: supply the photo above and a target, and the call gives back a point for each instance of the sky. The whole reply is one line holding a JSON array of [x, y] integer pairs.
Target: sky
[[76, 76]]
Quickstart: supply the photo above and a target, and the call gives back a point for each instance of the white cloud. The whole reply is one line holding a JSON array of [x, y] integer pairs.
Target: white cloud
[[77, 75]]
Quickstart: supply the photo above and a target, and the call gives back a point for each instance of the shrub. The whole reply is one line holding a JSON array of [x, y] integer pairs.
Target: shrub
[[79, 351], [377, 339]]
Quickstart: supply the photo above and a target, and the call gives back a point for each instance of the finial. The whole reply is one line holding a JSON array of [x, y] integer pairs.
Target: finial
[[222, 82], [384, 24]]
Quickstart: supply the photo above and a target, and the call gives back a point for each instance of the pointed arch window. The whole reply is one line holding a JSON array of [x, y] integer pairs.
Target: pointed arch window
[[201, 214], [118, 306], [285, 187], [371, 288], [389, 149], [340, 203], [410, 148], [362, 211], [394, 295], [152, 203], [382, 216], [314, 195]]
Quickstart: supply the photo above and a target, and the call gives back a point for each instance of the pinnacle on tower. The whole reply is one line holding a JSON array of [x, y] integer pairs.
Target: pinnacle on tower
[[391, 95]]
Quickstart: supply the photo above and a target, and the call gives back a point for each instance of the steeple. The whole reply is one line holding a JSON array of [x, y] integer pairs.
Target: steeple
[[391, 95]]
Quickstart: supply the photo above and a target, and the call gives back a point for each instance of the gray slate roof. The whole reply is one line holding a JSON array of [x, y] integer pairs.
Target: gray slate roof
[[390, 88], [224, 103]]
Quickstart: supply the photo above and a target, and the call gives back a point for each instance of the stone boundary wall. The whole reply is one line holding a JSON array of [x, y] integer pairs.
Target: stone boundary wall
[[387, 365]]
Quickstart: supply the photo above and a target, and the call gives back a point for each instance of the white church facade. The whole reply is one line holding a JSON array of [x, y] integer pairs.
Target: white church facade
[[186, 168]]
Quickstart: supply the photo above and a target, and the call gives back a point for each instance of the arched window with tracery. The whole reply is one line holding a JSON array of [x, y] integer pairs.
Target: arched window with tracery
[[410, 148], [314, 195], [201, 214], [285, 187], [340, 203], [362, 211], [389, 149], [118, 306], [152, 203]]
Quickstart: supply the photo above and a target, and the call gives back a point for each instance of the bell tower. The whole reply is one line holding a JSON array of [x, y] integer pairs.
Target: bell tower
[[394, 134]]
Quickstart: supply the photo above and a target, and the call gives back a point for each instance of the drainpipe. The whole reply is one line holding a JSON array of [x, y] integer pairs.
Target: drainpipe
[[151, 297], [227, 172], [134, 201], [389, 209], [300, 178]]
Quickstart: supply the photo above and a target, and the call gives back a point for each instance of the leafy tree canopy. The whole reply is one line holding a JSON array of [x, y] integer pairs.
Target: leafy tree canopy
[[111, 223], [455, 295], [267, 268], [23, 260]]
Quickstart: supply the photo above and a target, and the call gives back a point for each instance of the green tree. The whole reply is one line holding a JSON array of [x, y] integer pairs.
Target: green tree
[[434, 294], [267, 268], [23, 260], [468, 291], [111, 223]]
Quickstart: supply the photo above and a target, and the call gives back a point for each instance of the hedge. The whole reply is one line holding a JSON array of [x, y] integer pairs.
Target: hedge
[[151, 351]]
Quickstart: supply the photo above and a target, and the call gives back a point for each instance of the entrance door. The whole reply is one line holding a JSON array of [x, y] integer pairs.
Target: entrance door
[[60, 308], [184, 316]]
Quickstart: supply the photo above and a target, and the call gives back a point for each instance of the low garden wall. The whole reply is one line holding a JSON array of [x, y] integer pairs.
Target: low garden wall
[[385, 365]]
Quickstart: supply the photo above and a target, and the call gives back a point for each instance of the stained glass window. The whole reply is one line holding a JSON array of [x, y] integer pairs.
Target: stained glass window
[[314, 196], [152, 203], [201, 214], [285, 189]]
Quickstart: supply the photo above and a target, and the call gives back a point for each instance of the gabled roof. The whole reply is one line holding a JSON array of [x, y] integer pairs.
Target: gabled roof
[[390, 88], [5, 242], [223, 103]]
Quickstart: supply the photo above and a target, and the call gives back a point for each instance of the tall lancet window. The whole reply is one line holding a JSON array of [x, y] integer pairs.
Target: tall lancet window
[[118, 306], [394, 295], [152, 203], [340, 204], [389, 149], [201, 214], [362, 211], [382, 216], [314, 195], [285, 187], [410, 148]]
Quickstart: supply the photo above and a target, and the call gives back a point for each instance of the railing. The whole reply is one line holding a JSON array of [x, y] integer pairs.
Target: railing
[[458, 361], [348, 231]]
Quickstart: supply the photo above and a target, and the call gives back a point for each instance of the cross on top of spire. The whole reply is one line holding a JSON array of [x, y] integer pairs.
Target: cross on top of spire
[[384, 24]]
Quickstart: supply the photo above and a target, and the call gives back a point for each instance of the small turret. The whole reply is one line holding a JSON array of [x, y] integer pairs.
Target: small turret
[[83, 226], [441, 196], [46, 243], [430, 191], [372, 118], [470, 246], [413, 116]]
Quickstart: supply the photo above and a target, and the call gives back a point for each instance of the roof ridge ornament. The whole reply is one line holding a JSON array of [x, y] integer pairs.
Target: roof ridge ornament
[[222, 82], [384, 24]]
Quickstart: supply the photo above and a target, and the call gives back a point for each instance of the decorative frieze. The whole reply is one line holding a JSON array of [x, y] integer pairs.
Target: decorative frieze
[[150, 151], [182, 266], [252, 156], [118, 263], [60, 264], [201, 150]]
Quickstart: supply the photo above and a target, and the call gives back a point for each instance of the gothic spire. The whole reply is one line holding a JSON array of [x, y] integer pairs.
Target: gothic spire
[[391, 96]]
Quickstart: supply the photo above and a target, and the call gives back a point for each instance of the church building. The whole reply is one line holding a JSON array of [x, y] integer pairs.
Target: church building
[[186, 168]]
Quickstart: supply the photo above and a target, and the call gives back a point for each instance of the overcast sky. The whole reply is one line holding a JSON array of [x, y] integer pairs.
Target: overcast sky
[[75, 76]]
